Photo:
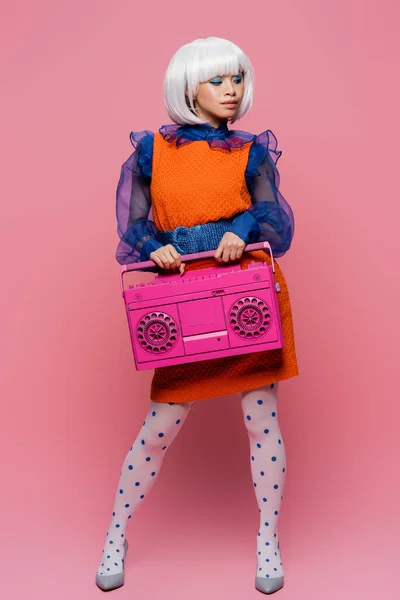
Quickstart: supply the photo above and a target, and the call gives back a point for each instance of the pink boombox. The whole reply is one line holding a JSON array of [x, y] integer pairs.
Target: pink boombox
[[203, 314]]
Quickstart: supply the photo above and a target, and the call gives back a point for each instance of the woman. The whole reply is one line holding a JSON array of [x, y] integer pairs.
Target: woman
[[197, 185]]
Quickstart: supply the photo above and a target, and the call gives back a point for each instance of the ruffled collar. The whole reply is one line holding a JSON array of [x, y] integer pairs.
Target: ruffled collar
[[217, 137]]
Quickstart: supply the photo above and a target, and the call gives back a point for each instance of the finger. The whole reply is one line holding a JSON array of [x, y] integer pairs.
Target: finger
[[218, 253], [182, 268], [175, 255], [177, 260], [237, 253], [226, 254], [165, 258], [156, 259]]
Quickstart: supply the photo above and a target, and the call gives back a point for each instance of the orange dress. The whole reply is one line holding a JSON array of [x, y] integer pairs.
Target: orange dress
[[191, 185]]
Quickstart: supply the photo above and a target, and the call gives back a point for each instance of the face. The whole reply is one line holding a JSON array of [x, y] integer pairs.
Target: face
[[213, 95]]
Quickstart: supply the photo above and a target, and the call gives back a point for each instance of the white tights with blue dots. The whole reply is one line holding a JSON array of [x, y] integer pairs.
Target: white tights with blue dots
[[143, 462]]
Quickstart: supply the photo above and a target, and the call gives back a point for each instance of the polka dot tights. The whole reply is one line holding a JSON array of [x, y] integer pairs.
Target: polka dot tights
[[139, 472], [268, 469], [143, 462]]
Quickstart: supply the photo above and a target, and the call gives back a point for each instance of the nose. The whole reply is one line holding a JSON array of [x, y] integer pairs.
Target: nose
[[230, 88]]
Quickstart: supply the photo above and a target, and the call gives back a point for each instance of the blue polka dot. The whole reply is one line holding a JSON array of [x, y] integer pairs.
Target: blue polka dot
[[273, 458], [258, 445], [144, 422], [266, 523], [276, 487], [260, 569], [259, 553], [164, 447], [116, 564], [258, 533], [255, 485], [266, 430], [178, 421], [273, 414], [262, 473], [259, 401], [142, 496], [130, 467], [111, 542], [276, 512], [121, 491], [248, 417], [267, 576], [137, 483], [275, 569], [267, 543], [143, 442], [108, 556], [252, 458], [118, 526], [113, 514], [283, 470], [126, 505], [160, 435], [148, 458], [267, 559], [153, 473], [130, 448], [264, 499], [153, 413], [279, 441]]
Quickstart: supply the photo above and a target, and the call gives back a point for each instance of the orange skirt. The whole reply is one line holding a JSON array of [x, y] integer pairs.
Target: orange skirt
[[223, 376]]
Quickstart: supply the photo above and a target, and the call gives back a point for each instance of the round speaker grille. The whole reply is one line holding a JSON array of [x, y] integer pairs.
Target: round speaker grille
[[157, 333], [250, 317]]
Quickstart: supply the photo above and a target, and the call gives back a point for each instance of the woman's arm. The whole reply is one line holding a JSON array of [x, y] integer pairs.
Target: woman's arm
[[136, 230], [270, 217]]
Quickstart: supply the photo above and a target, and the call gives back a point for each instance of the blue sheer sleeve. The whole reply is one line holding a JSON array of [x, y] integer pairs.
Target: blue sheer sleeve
[[270, 217], [135, 227]]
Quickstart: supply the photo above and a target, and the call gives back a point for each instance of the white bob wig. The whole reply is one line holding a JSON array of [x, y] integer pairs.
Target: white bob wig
[[197, 62]]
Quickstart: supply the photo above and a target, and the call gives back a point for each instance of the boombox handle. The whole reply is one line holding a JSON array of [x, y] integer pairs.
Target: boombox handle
[[193, 256]]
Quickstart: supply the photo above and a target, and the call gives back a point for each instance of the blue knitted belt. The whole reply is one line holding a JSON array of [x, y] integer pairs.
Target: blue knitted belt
[[200, 238]]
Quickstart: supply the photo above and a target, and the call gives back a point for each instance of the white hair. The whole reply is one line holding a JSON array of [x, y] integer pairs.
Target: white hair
[[197, 62]]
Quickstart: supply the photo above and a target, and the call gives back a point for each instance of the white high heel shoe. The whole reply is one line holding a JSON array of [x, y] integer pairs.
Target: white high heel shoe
[[112, 582]]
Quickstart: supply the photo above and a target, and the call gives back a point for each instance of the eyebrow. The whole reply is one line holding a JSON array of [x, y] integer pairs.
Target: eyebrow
[[237, 75]]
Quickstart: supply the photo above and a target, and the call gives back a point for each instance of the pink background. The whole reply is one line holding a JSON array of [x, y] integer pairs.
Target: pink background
[[76, 78]]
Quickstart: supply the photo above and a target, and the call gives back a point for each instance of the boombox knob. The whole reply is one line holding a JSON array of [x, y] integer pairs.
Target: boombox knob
[[278, 286]]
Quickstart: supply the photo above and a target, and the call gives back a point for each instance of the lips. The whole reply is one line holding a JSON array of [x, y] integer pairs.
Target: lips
[[230, 102]]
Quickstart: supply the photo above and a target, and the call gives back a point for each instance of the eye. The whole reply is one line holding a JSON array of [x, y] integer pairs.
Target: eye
[[216, 82]]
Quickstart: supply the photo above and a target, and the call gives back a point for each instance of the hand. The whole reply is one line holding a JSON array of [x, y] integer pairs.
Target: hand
[[230, 247], [167, 257]]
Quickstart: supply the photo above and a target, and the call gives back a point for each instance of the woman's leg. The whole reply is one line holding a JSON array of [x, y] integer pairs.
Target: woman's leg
[[139, 472], [268, 468]]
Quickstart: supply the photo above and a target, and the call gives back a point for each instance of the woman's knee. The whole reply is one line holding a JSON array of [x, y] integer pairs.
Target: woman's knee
[[259, 407], [163, 421]]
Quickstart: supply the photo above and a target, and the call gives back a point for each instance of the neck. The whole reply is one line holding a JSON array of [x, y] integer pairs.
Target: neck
[[211, 119]]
